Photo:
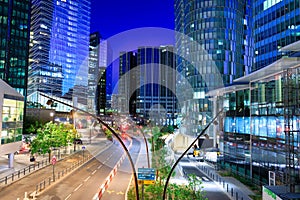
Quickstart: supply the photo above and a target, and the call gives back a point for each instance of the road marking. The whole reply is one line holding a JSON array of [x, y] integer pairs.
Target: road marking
[[68, 197], [94, 172], [99, 166], [85, 180], [110, 191], [120, 193], [78, 187]]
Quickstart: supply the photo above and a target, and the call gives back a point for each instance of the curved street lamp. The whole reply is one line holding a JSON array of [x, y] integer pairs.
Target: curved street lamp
[[113, 132], [198, 137]]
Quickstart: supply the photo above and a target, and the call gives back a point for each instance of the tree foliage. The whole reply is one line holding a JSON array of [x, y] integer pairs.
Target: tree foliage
[[52, 135]]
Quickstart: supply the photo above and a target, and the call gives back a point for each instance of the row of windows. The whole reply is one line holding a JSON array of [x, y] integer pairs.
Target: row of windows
[[293, 26]]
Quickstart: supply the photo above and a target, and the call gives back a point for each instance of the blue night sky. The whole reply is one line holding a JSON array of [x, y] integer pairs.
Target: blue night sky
[[111, 17]]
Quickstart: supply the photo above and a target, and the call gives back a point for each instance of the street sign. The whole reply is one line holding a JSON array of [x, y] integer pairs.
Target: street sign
[[149, 182], [146, 174], [53, 160], [83, 147]]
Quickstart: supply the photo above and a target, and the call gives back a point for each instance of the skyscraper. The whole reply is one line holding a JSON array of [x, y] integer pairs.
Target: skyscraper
[[147, 84], [156, 96], [14, 37], [214, 41], [59, 48], [127, 82], [260, 137], [93, 75], [276, 24]]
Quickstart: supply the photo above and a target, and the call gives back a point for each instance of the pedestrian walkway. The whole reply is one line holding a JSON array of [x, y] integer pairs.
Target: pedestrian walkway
[[43, 177], [234, 188]]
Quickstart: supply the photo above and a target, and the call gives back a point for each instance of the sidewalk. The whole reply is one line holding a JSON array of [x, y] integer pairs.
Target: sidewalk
[[43, 177], [234, 188]]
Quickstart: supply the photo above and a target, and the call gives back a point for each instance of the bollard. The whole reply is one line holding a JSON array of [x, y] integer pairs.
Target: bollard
[[232, 192], [227, 187], [12, 177], [36, 188], [5, 179], [237, 196], [19, 174], [223, 184], [49, 181], [24, 171], [44, 183], [40, 186]]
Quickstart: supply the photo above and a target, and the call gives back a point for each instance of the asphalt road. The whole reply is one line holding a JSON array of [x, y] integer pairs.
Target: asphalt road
[[213, 191], [85, 182], [117, 188]]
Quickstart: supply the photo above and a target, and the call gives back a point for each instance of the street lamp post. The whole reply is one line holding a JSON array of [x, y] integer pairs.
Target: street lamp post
[[113, 132], [197, 138]]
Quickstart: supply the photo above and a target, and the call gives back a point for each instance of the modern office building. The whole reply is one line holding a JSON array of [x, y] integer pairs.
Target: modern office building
[[101, 92], [93, 75], [214, 42], [147, 84], [156, 95], [14, 37], [11, 121], [260, 137], [276, 24], [127, 83], [59, 49]]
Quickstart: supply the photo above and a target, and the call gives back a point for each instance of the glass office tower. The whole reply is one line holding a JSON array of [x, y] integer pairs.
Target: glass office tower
[[59, 48], [155, 98], [276, 24], [223, 30], [14, 37]]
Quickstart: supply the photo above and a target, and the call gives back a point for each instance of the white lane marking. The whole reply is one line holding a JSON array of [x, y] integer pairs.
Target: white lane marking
[[78, 187], [94, 172], [68, 197], [99, 166], [85, 180]]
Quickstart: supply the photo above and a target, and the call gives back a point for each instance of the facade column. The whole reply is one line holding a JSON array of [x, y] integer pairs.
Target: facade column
[[11, 160]]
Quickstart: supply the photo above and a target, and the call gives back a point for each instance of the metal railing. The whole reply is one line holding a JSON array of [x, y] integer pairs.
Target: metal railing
[[232, 190], [28, 170], [60, 174]]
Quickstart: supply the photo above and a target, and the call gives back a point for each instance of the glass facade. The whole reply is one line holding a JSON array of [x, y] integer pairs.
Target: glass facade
[[276, 24], [93, 71], [156, 96], [261, 129], [12, 119], [127, 83], [59, 48], [147, 84], [14, 40], [222, 31]]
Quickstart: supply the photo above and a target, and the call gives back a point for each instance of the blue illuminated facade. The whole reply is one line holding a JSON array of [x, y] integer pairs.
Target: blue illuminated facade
[[59, 48], [223, 29], [276, 24]]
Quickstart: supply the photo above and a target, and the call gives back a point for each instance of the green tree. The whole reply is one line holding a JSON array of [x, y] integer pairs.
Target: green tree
[[52, 135]]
